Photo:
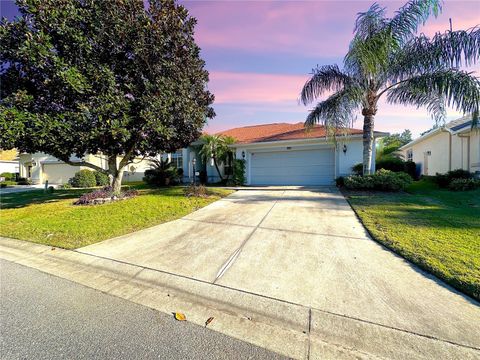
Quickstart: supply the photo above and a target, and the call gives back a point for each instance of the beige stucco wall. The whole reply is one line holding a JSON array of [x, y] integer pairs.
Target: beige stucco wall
[[438, 160], [46, 167], [463, 154]]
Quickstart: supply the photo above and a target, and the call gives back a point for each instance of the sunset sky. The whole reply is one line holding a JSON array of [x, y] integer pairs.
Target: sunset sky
[[259, 54]]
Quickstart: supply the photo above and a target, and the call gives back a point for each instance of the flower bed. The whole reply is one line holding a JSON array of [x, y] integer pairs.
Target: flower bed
[[103, 196]]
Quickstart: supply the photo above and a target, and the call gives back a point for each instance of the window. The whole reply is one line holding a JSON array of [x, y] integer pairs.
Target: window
[[410, 155], [177, 159], [228, 168]]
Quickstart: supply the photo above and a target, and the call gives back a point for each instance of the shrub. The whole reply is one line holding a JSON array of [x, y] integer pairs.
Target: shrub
[[83, 179], [65, 186], [163, 173], [23, 181], [101, 179], [444, 180], [340, 181], [411, 169], [50, 189], [203, 177], [390, 163], [8, 176], [357, 169], [239, 172], [3, 185], [195, 190], [464, 184], [385, 180]]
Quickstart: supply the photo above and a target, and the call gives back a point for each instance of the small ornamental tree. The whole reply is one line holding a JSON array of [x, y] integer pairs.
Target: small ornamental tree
[[119, 78], [216, 148]]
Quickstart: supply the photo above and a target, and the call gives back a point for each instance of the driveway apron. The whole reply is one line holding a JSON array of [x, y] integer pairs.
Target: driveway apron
[[307, 247]]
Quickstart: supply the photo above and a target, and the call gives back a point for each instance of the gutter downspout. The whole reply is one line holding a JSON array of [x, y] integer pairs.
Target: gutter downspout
[[449, 151], [468, 150]]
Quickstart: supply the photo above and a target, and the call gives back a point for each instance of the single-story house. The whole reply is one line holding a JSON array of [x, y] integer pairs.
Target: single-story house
[[9, 161], [456, 145], [9, 166], [275, 154], [288, 154], [40, 167]]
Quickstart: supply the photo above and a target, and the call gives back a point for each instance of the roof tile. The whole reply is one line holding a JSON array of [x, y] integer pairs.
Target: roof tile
[[278, 132]]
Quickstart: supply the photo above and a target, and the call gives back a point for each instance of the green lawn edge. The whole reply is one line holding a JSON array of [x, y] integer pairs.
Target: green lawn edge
[[52, 219], [470, 287]]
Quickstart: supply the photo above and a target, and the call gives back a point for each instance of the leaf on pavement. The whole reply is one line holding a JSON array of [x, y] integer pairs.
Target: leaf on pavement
[[180, 316], [209, 320]]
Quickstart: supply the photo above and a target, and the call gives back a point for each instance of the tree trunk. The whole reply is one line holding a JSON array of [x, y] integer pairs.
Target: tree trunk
[[117, 182], [368, 126], [115, 174]]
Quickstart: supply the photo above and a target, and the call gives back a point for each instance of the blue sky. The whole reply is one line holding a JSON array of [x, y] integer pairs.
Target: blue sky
[[259, 54]]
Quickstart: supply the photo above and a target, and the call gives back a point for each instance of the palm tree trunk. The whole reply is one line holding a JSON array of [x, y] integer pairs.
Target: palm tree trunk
[[218, 170], [368, 126]]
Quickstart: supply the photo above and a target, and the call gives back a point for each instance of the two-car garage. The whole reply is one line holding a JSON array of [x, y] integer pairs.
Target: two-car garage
[[288, 166]]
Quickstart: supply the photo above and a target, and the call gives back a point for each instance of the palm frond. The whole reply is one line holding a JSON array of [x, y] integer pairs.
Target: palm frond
[[454, 88], [336, 112], [444, 50], [370, 22], [370, 58], [324, 78], [409, 17]]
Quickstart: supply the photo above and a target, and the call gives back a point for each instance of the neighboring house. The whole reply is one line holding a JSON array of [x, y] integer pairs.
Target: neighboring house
[[9, 161], [288, 154], [40, 167], [453, 146]]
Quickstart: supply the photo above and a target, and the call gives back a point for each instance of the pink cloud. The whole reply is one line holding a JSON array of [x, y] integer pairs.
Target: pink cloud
[[232, 87], [286, 26]]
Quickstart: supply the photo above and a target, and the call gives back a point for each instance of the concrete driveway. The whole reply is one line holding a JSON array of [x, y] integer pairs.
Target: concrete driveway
[[303, 246]]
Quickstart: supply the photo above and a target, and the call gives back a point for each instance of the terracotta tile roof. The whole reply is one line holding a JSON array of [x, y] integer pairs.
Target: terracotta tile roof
[[277, 132]]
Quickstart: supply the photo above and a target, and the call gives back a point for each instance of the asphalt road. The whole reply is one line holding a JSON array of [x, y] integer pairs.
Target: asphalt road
[[45, 317]]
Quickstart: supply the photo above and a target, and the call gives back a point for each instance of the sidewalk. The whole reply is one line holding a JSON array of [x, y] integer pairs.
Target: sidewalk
[[286, 328]]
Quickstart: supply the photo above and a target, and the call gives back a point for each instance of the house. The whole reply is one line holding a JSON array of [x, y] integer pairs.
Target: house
[[453, 146], [8, 161], [275, 154], [40, 167], [288, 154]]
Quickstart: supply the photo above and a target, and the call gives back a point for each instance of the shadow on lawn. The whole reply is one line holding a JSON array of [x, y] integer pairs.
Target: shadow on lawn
[[18, 200], [26, 198]]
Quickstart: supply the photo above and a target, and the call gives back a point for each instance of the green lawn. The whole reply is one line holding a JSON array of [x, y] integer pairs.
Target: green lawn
[[437, 229], [52, 218]]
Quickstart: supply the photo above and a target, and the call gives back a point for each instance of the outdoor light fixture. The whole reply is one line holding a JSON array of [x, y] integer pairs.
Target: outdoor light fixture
[[344, 148], [243, 155]]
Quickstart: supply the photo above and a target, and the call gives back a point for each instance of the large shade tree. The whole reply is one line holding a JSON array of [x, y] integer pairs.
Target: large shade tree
[[119, 78], [387, 59]]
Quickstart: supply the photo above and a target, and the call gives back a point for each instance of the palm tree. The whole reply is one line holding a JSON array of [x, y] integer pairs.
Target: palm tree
[[216, 148], [387, 58]]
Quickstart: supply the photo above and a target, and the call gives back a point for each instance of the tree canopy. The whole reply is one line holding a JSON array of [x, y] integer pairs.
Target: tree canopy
[[388, 59], [121, 78]]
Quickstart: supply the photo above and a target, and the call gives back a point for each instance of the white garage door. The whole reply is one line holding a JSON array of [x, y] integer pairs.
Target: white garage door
[[58, 173], [293, 167]]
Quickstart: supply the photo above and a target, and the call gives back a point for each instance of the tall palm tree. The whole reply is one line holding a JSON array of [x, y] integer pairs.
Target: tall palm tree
[[216, 148], [387, 59]]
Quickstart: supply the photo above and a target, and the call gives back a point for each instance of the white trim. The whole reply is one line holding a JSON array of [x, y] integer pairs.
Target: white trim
[[425, 136], [306, 141]]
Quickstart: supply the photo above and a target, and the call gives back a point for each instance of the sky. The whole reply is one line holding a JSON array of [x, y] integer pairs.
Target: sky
[[260, 53]]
